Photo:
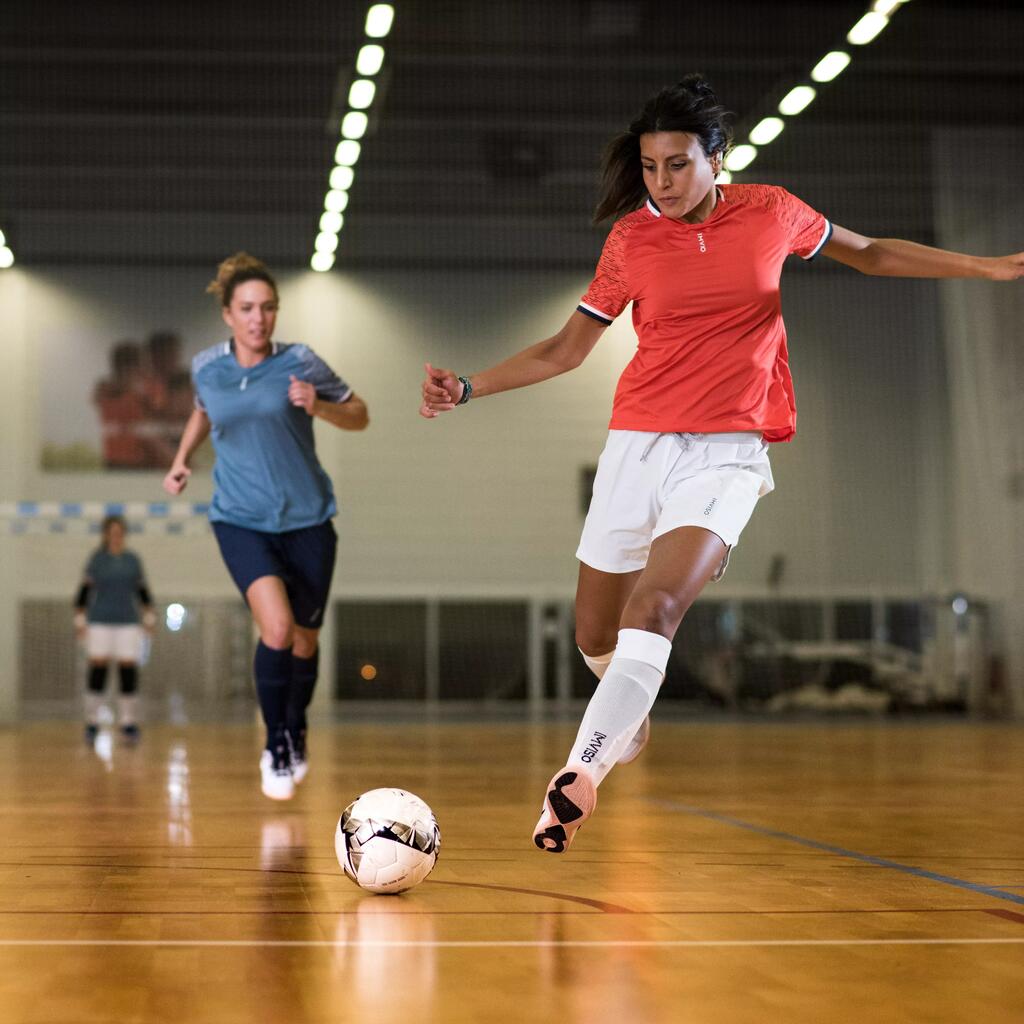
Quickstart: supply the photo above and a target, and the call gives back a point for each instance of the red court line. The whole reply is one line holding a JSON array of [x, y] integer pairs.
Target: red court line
[[1009, 915]]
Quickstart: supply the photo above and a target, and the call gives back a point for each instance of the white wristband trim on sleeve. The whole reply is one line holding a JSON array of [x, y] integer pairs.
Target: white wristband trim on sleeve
[[825, 236], [594, 312]]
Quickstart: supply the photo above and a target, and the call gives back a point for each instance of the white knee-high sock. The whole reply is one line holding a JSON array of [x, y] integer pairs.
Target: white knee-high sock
[[127, 707], [621, 701], [597, 663], [93, 704]]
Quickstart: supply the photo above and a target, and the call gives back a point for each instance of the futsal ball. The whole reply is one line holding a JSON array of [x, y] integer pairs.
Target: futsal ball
[[387, 840]]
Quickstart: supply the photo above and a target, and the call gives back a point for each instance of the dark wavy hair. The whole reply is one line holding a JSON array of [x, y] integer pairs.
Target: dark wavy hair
[[688, 106], [108, 522]]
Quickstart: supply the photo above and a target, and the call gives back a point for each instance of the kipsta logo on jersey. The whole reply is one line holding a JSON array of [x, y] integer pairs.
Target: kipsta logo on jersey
[[710, 506], [700, 242]]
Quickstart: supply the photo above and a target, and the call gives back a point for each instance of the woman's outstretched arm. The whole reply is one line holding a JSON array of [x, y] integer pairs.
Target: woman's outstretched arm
[[558, 354], [894, 257]]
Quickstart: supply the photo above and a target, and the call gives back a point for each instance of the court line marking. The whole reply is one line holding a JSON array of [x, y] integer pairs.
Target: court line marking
[[881, 862], [507, 943]]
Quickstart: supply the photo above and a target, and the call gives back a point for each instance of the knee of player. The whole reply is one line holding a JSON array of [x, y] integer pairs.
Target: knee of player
[[304, 643], [596, 640], [278, 634], [659, 611]]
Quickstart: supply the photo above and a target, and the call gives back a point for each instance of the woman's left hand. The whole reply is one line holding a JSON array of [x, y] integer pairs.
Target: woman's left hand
[[302, 394], [1008, 268]]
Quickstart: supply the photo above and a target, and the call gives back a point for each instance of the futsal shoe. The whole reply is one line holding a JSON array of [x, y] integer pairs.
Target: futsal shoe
[[297, 747], [570, 800], [91, 732], [637, 743], [131, 733], [276, 774]]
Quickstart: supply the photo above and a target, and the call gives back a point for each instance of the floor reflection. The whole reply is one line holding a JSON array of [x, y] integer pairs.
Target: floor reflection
[[179, 797], [387, 953], [282, 841]]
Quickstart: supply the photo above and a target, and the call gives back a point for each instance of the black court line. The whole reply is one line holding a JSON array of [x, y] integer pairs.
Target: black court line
[[880, 862]]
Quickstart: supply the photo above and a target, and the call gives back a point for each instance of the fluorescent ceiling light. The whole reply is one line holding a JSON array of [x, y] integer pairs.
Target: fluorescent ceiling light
[[353, 124], [336, 200], [740, 157], [370, 59], [867, 28], [361, 94], [6, 257], [797, 99], [378, 20], [724, 178], [830, 66], [347, 153], [331, 222], [766, 130], [341, 178], [322, 261], [886, 7], [326, 241]]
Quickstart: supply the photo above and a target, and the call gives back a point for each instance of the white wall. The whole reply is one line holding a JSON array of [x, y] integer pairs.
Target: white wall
[[979, 210], [488, 496]]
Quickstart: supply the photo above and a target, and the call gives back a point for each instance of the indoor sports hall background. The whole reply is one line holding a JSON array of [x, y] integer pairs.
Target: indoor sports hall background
[[826, 824], [143, 145]]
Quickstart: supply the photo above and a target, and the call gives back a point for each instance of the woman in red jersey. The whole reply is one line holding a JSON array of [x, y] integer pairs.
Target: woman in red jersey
[[707, 390]]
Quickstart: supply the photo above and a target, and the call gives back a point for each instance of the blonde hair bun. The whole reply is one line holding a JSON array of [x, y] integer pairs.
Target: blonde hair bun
[[236, 269]]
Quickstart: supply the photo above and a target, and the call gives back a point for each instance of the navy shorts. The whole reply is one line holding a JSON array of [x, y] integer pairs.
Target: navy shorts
[[302, 559]]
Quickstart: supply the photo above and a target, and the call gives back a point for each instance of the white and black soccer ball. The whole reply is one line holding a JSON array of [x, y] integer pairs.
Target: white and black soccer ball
[[387, 840]]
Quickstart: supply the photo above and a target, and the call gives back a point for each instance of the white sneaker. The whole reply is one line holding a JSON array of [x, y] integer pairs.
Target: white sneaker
[[637, 743], [276, 779], [297, 749]]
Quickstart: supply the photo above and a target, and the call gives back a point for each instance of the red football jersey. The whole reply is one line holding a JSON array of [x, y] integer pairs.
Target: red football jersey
[[711, 354]]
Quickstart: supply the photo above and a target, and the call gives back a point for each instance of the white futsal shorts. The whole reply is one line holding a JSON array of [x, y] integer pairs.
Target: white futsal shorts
[[114, 643], [648, 484]]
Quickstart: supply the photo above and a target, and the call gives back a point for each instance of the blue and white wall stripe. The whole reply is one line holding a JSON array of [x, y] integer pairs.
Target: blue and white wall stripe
[[85, 516]]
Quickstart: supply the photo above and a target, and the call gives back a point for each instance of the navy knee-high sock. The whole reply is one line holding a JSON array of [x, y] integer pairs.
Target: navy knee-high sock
[[273, 669], [304, 673]]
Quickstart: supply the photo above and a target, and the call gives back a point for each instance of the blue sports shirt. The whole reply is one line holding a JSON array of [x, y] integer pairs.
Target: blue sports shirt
[[114, 588], [266, 476]]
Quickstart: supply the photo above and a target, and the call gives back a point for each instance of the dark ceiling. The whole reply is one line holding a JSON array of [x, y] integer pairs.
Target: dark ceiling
[[172, 133]]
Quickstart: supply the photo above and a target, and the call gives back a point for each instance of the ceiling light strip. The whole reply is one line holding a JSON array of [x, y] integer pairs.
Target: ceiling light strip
[[802, 94], [6, 255], [354, 122]]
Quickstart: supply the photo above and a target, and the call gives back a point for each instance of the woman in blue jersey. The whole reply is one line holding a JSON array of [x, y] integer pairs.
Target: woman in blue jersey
[[272, 501], [112, 608]]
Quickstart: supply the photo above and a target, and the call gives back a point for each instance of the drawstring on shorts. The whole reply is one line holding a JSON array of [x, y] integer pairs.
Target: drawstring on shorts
[[687, 441]]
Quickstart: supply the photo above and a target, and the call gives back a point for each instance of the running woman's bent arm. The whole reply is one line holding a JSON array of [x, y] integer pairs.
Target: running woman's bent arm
[[564, 351], [196, 431], [895, 257], [349, 414]]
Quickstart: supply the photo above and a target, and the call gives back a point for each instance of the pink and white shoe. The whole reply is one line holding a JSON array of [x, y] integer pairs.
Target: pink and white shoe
[[637, 743], [570, 800]]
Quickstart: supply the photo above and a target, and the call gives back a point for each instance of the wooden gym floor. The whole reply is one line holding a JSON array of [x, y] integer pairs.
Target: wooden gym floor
[[739, 872]]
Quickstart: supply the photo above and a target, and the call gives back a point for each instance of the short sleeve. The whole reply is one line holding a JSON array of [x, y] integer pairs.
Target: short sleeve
[[329, 386], [197, 400], [608, 295], [808, 231]]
